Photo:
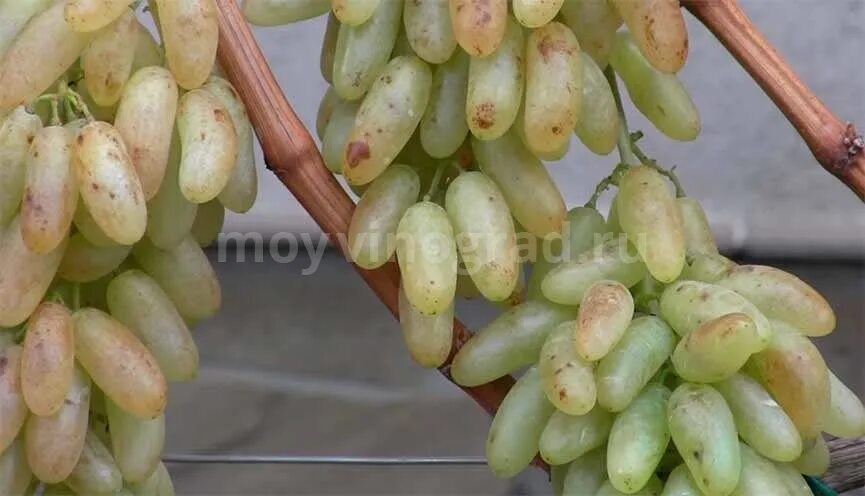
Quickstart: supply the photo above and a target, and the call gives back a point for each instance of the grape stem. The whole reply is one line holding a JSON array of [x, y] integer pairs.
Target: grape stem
[[78, 104], [76, 297], [623, 143], [650, 162], [434, 186], [606, 183]]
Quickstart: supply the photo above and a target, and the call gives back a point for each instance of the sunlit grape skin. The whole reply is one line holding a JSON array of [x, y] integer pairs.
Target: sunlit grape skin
[[485, 235], [568, 379], [47, 359], [427, 256]]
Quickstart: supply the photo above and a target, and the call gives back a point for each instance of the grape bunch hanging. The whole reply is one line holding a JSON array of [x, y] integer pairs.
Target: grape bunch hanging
[[118, 158], [653, 364]]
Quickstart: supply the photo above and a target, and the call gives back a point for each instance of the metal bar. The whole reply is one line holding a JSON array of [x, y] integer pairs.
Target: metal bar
[[228, 458]]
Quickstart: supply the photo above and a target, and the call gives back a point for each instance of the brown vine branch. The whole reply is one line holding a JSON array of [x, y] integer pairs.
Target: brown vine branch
[[848, 465], [291, 153], [836, 145]]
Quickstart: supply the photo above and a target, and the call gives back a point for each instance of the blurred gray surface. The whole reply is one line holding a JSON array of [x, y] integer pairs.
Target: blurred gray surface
[[314, 365], [759, 182]]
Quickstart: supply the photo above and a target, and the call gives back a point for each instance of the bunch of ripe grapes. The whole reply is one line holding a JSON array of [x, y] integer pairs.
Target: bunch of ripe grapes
[[118, 158], [655, 364]]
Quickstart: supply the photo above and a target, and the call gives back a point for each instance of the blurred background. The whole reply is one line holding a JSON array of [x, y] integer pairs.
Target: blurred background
[[314, 365]]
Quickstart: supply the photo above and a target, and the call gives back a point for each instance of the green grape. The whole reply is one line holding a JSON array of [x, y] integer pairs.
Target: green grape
[[44, 49], [557, 478], [706, 267], [86, 262], [652, 488], [15, 474], [109, 185], [717, 349], [704, 432], [517, 426], [119, 363], [242, 188], [186, 276], [793, 371], [362, 51], [277, 12], [107, 62], [485, 234], [815, 459], [136, 443], [686, 305], [845, 416], [509, 343], [568, 437], [427, 337], [495, 86], [660, 97], [568, 380], [638, 440], [208, 144], [209, 220], [142, 306], [14, 15], [536, 13], [443, 128], [145, 121], [598, 126], [629, 367], [336, 134], [47, 359], [606, 310], [658, 28], [782, 296], [24, 276], [759, 476], [328, 49], [374, 223], [429, 30], [586, 474], [595, 23], [554, 80], [96, 472], [16, 133], [479, 25], [170, 216], [381, 129], [50, 190], [613, 259], [91, 15], [326, 108], [158, 484], [581, 227], [354, 12], [760, 420], [427, 256], [516, 171], [650, 217], [190, 33], [698, 233], [793, 480], [13, 408], [680, 483], [53, 444]]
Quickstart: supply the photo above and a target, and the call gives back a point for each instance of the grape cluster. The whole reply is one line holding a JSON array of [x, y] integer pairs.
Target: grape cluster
[[118, 159], [655, 365]]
